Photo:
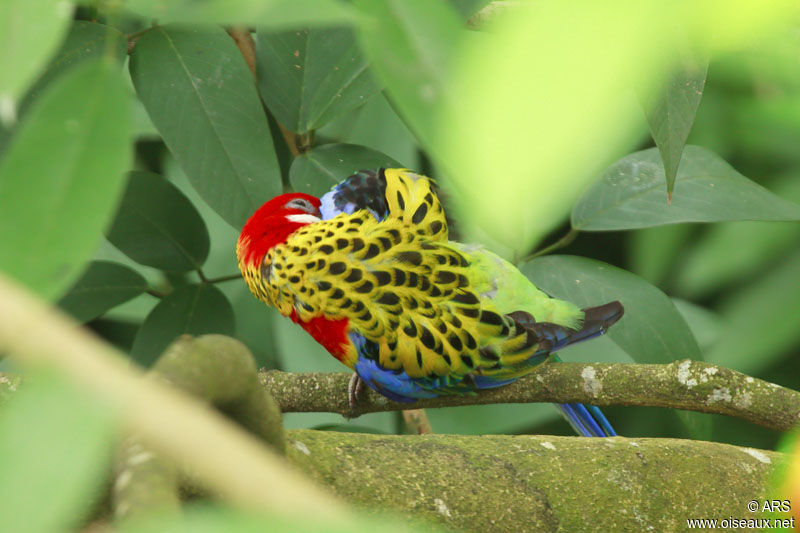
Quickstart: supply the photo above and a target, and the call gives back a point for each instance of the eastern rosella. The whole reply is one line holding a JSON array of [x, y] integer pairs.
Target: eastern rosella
[[369, 272]]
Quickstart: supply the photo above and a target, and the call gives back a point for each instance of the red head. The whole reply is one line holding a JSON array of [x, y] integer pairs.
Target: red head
[[272, 224]]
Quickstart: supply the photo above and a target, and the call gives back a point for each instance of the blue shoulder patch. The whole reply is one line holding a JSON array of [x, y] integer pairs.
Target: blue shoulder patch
[[364, 190]]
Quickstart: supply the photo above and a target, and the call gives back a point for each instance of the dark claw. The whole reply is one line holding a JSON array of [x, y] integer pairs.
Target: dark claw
[[354, 389]]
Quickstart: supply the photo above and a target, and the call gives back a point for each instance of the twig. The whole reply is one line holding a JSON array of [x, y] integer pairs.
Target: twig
[[158, 294], [566, 240], [690, 385], [417, 422], [132, 38], [220, 279], [202, 275]]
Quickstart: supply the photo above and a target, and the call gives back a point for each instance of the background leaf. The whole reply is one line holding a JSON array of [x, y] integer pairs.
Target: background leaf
[[540, 103], [157, 226], [630, 194], [55, 447], [467, 8], [213, 519], [103, 286], [193, 309], [717, 259], [319, 169], [706, 325], [84, 41], [277, 14], [200, 95], [651, 331], [29, 34], [53, 208], [671, 111], [652, 252], [308, 77], [412, 44], [761, 320], [374, 125]]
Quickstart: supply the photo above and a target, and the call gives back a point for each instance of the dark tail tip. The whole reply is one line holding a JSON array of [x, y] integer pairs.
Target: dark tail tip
[[603, 316]]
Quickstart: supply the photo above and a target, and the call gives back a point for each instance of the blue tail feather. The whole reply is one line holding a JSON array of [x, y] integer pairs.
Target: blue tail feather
[[587, 421]]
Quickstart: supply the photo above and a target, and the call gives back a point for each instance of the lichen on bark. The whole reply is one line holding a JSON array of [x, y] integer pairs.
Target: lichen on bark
[[537, 483]]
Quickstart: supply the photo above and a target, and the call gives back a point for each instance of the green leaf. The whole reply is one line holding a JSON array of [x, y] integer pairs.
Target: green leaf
[[630, 195], [653, 251], [118, 333], [200, 95], [319, 169], [309, 77], [193, 310], [719, 258], [540, 102], [55, 450], [103, 286], [706, 325], [651, 331], [375, 125], [412, 45], [54, 205], [254, 325], [672, 109], [277, 14], [467, 8], [29, 34], [157, 226], [213, 519], [761, 320], [85, 41]]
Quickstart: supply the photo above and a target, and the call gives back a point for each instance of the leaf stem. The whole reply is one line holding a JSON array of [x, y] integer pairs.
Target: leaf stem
[[132, 38], [200, 273], [564, 241], [153, 292], [223, 278]]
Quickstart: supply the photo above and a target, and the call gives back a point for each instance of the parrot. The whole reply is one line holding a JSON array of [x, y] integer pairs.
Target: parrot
[[369, 272]]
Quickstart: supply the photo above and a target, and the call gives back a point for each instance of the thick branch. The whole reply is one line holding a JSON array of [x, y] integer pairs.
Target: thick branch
[[690, 385], [538, 483], [219, 370]]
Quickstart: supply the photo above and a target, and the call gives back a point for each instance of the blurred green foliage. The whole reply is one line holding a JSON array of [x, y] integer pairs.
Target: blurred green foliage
[[521, 126]]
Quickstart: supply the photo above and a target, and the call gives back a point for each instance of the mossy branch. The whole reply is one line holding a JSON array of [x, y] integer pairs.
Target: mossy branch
[[691, 385], [219, 370], [179, 428], [538, 483]]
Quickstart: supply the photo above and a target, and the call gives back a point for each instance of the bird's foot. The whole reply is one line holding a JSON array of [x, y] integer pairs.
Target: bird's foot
[[354, 389]]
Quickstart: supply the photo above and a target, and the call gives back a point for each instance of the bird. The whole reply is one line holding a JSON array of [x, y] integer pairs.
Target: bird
[[369, 272]]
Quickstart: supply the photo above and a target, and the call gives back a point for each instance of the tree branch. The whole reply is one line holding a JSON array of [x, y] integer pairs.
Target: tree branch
[[691, 385], [538, 483]]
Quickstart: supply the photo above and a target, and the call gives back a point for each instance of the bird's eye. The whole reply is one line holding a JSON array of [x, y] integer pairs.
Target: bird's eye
[[302, 204]]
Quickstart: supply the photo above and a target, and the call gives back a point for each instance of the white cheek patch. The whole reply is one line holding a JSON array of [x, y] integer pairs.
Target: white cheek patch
[[305, 218]]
